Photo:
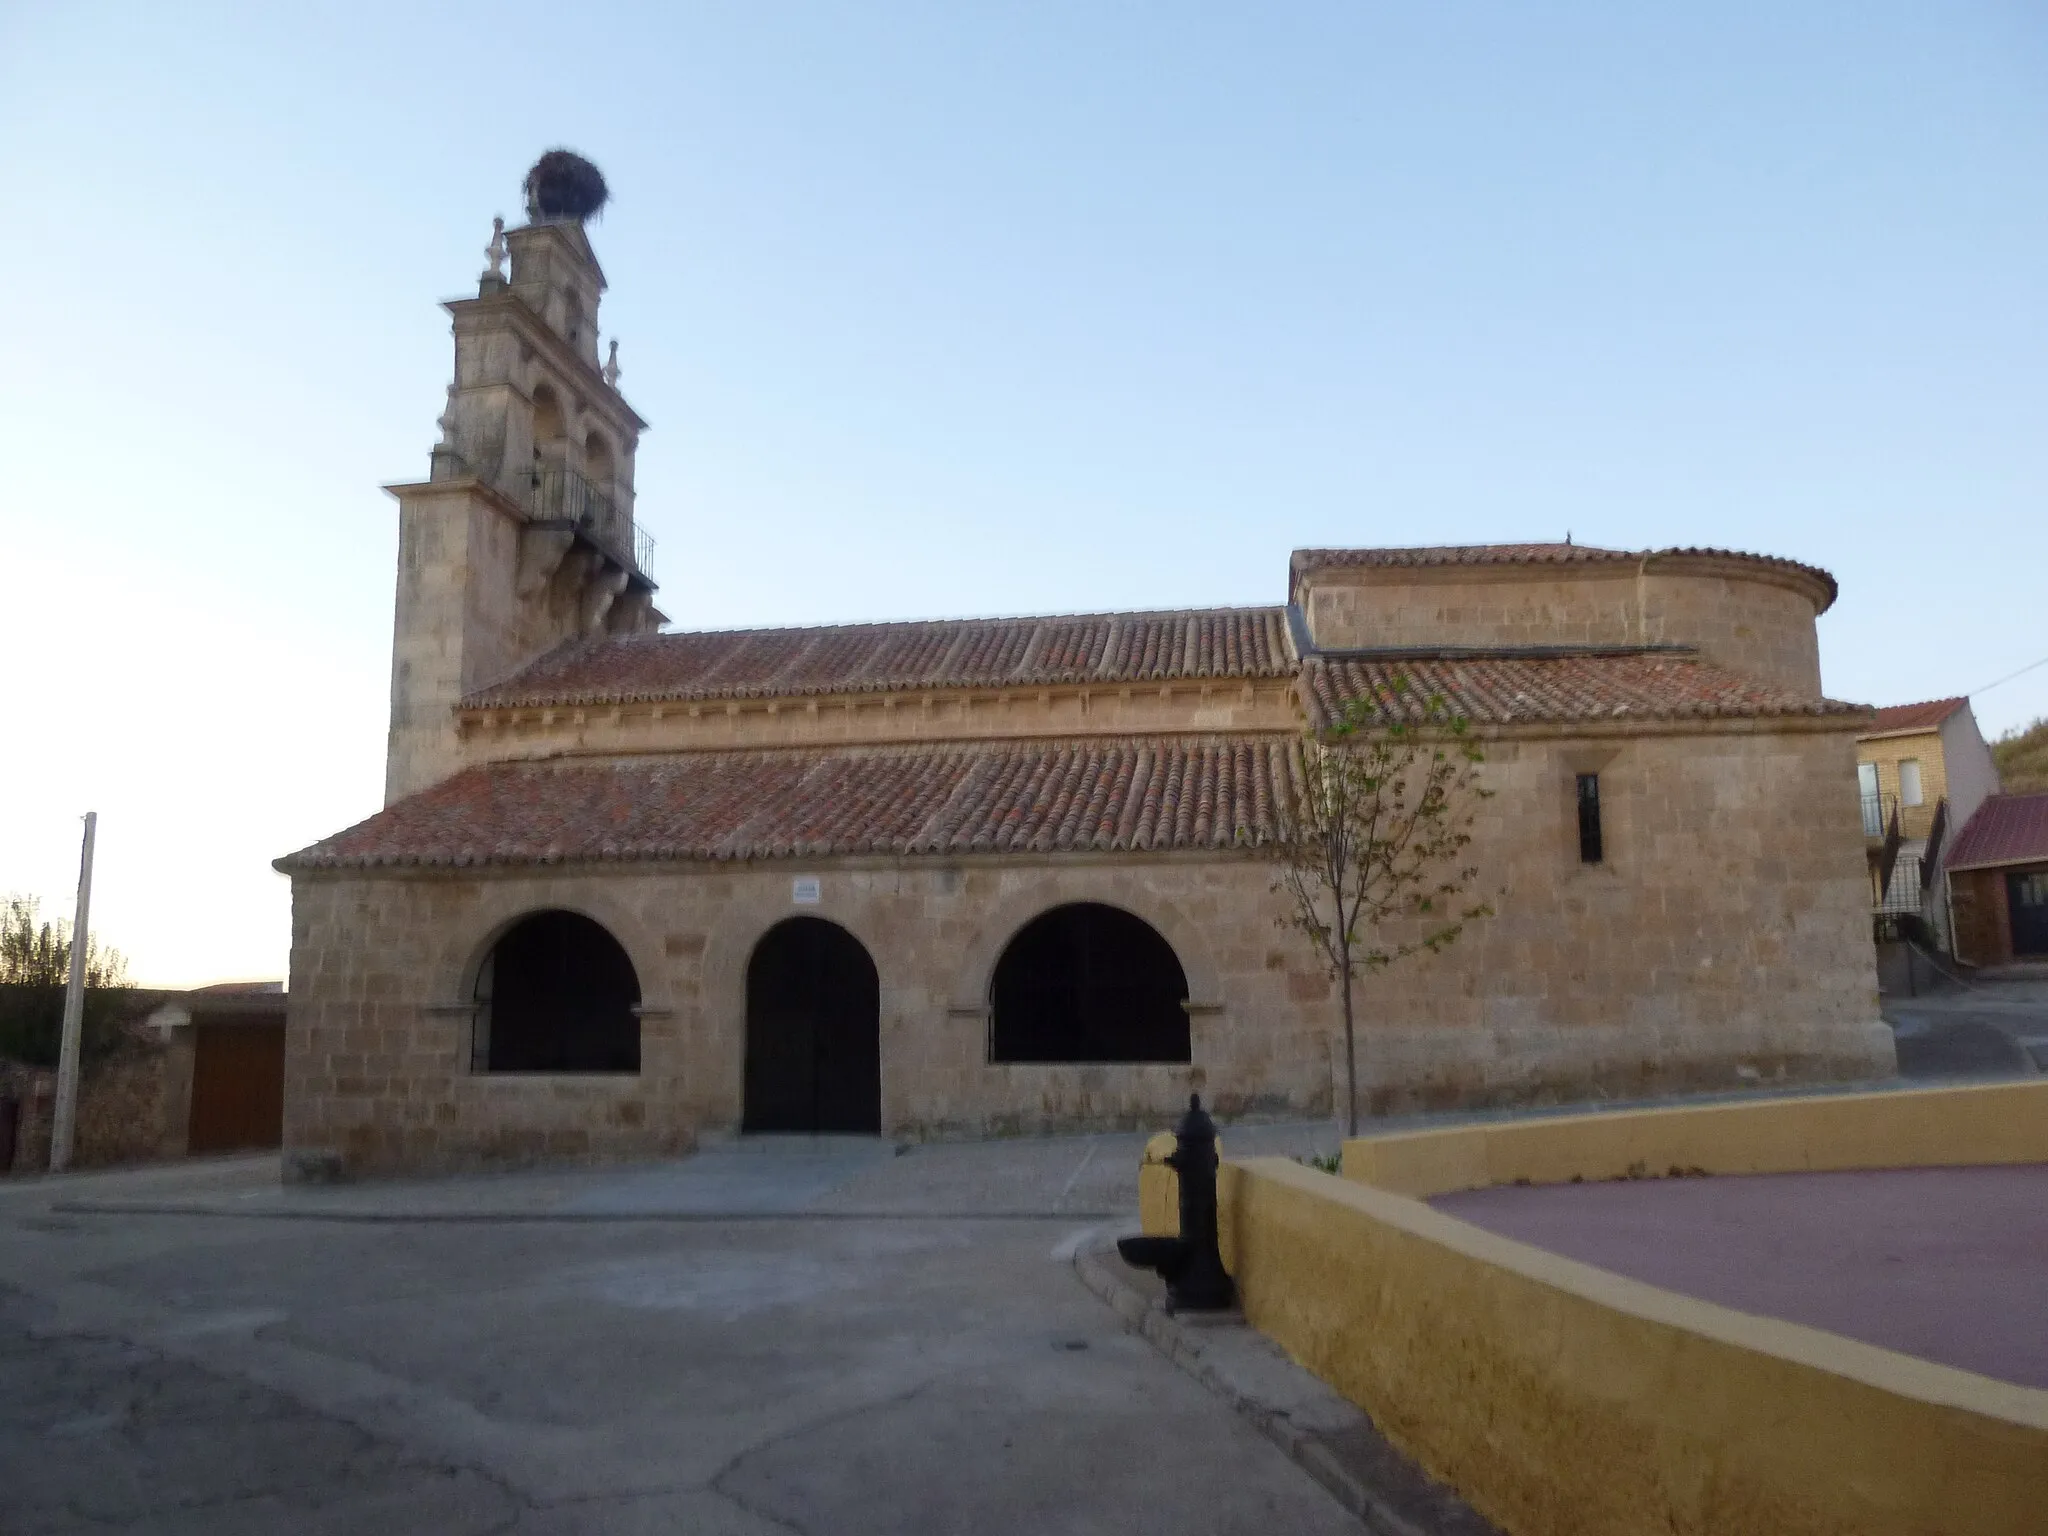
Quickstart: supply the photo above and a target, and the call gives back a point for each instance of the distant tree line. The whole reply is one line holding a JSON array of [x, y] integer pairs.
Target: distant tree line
[[35, 967]]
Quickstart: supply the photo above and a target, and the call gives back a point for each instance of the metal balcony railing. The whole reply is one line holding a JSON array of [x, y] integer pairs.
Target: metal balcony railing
[[1902, 893], [1877, 811], [560, 494]]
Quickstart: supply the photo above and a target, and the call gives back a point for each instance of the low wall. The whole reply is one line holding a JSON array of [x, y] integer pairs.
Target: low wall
[[1922, 1128], [1563, 1400], [132, 1107]]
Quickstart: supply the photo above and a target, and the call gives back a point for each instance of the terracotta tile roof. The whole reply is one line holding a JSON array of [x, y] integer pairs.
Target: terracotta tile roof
[[1530, 690], [1105, 648], [1460, 554], [1131, 794], [1897, 719], [1307, 560], [2006, 829]]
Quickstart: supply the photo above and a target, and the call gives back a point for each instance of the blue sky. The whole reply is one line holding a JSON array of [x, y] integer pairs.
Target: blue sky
[[943, 309]]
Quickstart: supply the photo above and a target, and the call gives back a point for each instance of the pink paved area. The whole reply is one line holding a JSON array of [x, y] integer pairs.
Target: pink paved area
[[1950, 1264]]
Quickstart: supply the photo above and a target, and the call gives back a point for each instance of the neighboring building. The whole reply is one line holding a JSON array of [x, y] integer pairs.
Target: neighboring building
[[1922, 770], [1998, 881], [1001, 875], [191, 1072], [228, 1043]]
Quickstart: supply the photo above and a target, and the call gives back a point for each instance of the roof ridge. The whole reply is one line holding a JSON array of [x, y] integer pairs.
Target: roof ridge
[[1190, 611]]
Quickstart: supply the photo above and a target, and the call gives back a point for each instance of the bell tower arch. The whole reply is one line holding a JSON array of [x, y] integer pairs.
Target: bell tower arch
[[522, 536]]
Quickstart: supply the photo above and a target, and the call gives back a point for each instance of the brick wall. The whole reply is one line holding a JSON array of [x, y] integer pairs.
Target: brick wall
[[1887, 752]]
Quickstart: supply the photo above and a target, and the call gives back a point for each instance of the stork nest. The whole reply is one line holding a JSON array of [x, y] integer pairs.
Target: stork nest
[[562, 184]]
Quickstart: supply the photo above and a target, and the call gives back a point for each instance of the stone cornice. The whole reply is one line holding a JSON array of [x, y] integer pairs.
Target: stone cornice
[[461, 485], [967, 716], [1816, 585], [610, 869], [1182, 707]]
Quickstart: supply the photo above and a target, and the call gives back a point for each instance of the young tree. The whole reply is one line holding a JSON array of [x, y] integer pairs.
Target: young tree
[[35, 965], [1373, 830]]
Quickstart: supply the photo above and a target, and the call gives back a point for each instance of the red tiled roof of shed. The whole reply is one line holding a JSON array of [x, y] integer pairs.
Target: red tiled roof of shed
[[1533, 690], [2006, 829], [1138, 794], [1898, 719], [1106, 648]]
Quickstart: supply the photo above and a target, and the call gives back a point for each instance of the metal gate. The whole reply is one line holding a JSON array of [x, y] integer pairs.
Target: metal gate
[[237, 1087]]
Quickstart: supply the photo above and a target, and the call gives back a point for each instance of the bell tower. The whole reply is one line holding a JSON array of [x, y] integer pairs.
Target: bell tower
[[522, 535]]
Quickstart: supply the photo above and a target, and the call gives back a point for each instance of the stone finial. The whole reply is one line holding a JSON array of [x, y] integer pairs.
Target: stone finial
[[496, 250], [446, 421], [611, 365]]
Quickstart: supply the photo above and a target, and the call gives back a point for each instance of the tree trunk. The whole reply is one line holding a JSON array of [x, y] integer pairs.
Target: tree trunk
[[1350, 1061]]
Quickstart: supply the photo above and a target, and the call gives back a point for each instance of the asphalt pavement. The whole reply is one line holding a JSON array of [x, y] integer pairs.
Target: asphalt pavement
[[812, 1338]]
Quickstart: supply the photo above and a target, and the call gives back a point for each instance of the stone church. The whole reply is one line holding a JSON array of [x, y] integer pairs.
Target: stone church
[[632, 887]]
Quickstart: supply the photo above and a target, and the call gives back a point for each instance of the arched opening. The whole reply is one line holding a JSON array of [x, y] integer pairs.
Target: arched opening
[[549, 433], [557, 994], [1088, 982], [814, 1031], [597, 462]]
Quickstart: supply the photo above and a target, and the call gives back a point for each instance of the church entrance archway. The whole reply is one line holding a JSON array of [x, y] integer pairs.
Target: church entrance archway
[[814, 1031]]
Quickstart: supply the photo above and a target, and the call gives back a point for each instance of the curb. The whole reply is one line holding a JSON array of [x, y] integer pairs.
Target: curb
[[373, 1217], [1387, 1493]]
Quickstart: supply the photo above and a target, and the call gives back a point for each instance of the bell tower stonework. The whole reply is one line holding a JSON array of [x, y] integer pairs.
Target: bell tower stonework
[[522, 535]]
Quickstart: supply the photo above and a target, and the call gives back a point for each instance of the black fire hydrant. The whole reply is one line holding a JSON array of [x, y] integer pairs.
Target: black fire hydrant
[[1191, 1264]]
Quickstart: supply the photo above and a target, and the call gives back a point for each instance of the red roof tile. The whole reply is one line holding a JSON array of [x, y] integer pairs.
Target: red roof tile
[[1532, 690], [2006, 829], [1307, 560], [943, 653], [1131, 794], [1897, 719]]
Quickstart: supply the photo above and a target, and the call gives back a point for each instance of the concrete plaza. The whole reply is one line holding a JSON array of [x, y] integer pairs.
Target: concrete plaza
[[810, 1339]]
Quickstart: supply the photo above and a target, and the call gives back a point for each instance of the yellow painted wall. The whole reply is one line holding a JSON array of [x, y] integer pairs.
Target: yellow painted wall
[[1933, 1127], [1562, 1400]]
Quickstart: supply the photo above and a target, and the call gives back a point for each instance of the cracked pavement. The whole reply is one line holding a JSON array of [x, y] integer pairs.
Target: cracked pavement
[[886, 1373]]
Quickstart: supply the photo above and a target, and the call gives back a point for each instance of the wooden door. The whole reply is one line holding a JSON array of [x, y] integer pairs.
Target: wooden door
[[2026, 898], [814, 1054], [237, 1087]]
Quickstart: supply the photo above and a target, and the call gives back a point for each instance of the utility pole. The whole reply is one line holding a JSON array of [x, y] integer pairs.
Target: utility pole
[[66, 1114]]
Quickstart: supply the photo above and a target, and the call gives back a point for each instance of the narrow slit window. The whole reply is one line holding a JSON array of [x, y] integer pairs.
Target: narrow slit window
[[1590, 851]]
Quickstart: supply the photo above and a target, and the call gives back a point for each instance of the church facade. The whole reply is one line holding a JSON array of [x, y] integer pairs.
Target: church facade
[[633, 887]]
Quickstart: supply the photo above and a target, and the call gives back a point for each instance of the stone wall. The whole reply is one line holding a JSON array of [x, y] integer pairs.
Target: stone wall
[[1747, 616], [480, 595], [132, 1107], [1723, 941]]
